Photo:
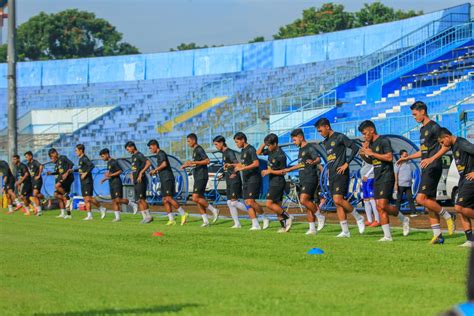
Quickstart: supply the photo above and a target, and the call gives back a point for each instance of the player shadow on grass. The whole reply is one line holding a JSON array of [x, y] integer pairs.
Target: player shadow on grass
[[111, 311]]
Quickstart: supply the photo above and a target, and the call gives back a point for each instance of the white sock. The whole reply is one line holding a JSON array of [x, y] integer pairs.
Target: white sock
[[143, 214], [39, 209], [368, 211], [445, 214], [212, 209], [374, 210], [319, 215], [255, 222], [131, 203], [205, 219], [181, 211], [401, 217], [171, 217], [344, 227], [386, 231], [147, 212], [117, 214], [63, 212], [436, 230], [10, 208], [263, 217], [233, 212], [312, 226], [356, 215], [89, 214], [240, 206]]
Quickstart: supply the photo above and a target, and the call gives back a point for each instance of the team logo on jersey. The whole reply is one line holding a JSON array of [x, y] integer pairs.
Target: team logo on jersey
[[381, 192], [337, 189], [245, 155], [426, 133], [461, 199], [424, 187], [377, 148], [273, 161], [457, 153], [333, 144], [303, 153], [250, 194], [303, 188]]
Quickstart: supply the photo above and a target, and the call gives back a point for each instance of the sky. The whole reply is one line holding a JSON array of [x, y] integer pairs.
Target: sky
[[158, 25]]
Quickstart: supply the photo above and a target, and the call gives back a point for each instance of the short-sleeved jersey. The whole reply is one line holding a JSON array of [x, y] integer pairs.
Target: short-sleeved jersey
[[463, 153], [383, 170], [429, 144], [200, 172], [248, 156], [308, 172], [165, 174]]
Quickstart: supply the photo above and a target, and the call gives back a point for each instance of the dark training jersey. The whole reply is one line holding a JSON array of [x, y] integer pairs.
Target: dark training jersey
[[335, 146], [463, 152], [200, 172], [383, 170], [276, 161], [34, 167], [429, 144], [5, 169], [22, 170], [229, 157], [165, 174], [138, 163], [62, 165], [308, 172], [248, 156], [113, 166], [85, 165]]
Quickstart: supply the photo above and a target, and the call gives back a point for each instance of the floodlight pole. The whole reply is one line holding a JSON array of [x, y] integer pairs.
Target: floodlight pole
[[11, 77]]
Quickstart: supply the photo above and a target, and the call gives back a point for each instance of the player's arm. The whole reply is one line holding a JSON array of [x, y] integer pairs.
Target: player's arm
[[467, 147], [354, 150], [253, 165], [203, 158], [416, 155], [426, 162], [40, 172], [261, 149], [145, 168]]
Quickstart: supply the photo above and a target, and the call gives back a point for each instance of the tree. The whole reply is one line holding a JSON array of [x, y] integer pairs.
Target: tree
[[329, 18], [68, 34], [377, 12], [184, 46], [257, 39]]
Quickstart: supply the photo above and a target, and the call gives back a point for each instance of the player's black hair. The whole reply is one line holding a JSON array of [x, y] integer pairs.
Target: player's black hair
[[219, 139], [153, 142], [104, 151], [402, 152], [444, 132], [297, 132], [52, 151], [365, 124], [28, 153], [16, 156], [419, 105], [271, 139], [240, 136], [130, 144], [81, 147], [322, 122], [193, 137]]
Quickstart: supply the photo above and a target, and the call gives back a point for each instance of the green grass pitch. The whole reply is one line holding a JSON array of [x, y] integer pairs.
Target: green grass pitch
[[53, 266]]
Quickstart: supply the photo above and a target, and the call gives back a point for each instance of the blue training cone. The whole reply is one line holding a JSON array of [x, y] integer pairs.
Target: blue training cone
[[315, 251]]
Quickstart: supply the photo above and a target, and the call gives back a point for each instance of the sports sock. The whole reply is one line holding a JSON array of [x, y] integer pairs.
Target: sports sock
[[212, 209], [368, 211], [386, 231], [401, 217], [374, 210], [181, 211], [233, 212], [445, 214], [468, 234], [117, 214], [436, 230], [241, 206], [89, 214], [10, 208], [63, 212], [344, 227], [205, 219], [255, 223], [356, 215], [312, 226], [171, 217]]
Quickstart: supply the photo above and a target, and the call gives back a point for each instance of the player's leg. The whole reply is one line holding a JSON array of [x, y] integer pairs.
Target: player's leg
[[307, 194], [169, 188], [116, 203], [274, 197], [411, 202], [169, 211]]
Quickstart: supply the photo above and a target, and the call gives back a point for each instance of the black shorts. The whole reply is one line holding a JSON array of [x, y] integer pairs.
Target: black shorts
[[9, 184], [140, 189], [251, 190], [383, 190], [465, 193], [66, 184], [339, 184], [168, 188], [87, 188], [429, 181], [37, 184], [276, 192], [116, 190], [308, 188], [200, 186], [26, 189], [234, 189]]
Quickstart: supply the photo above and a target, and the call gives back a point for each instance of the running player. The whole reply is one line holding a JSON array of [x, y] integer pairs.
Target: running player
[[64, 179], [367, 175], [23, 184], [276, 172], [431, 169], [250, 167], [336, 145], [463, 153], [308, 164], [232, 179], [200, 177], [167, 182], [8, 184], [140, 165], [36, 171], [115, 184], [87, 183], [378, 152]]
